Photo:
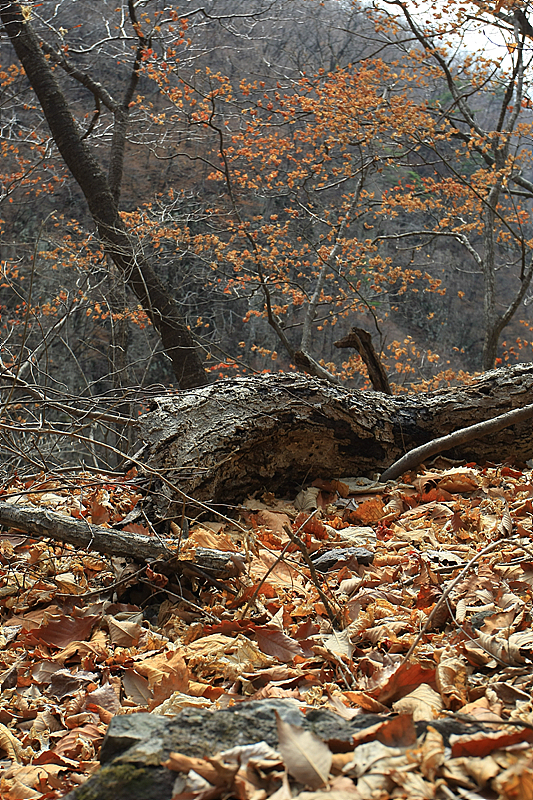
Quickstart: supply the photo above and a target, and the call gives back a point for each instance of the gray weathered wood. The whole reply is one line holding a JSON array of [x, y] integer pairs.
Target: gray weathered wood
[[49, 524], [277, 432], [42, 523]]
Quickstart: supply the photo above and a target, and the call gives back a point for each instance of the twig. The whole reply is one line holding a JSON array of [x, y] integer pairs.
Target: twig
[[314, 577], [183, 600], [446, 594], [103, 589], [517, 723], [273, 566], [263, 580]]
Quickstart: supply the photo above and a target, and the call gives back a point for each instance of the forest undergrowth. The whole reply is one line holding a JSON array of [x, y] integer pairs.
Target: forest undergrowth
[[410, 601]]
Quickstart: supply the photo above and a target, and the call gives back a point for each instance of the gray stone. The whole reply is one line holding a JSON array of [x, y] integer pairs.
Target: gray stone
[[130, 730], [136, 744]]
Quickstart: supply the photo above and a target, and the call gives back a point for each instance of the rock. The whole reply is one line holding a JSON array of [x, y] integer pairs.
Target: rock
[[133, 730], [136, 744], [331, 558]]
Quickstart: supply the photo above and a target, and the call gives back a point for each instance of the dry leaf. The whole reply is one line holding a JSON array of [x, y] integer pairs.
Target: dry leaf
[[423, 703], [272, 641], [123, 632], [451, 680], [306, 756]]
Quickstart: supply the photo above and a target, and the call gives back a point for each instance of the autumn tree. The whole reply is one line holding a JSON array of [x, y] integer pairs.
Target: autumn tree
[[296, 165], [293, 196], [472, 171], [56, 72]]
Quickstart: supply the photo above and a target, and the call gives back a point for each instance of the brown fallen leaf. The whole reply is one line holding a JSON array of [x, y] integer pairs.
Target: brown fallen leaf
[[272, 641], [451, 679], [306, 756], [423, 703], [123, 632], [209, 768]]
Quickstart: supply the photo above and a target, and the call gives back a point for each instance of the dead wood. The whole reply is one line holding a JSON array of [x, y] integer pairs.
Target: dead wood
[[51, 525], [277, 432], [361, 341], [463, 435]]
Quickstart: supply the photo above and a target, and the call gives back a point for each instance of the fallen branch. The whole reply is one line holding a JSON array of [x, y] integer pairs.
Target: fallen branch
[[415, 457], [80, 533]]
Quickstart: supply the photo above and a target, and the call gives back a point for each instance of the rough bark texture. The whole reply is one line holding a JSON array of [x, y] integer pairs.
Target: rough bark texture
[[277, 432], [51, 525]]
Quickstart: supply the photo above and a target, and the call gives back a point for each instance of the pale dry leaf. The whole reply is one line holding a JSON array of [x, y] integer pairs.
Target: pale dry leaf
[[166, 674], [20, 791], [505, 528], [105, 697], [358, 536], [482, 770], [201, 537], [136, 687], [242, 754], [11, 745], [306, 756], [284, 791], [350, 585], [307, 499], [339, 643], [461, 610], [471, 772], [177, 762], [374, 757], [505, 650], [454, 772], [432, 753], [123, 632], [423, 703], [414, 785], [375, 784], [451, 680], [176, 702], [229, 656], [344, 792], [516, 783]]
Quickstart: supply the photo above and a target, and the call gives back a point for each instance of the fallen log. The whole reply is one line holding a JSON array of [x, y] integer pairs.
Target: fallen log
[[220, 443], [414, 457]]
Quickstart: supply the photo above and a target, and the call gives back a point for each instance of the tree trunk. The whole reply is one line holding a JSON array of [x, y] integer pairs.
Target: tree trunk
[[361, 341], [136, 271], [279, 432]]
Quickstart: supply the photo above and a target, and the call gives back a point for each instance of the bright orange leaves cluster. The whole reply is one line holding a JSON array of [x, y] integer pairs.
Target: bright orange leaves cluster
[[311, 173]]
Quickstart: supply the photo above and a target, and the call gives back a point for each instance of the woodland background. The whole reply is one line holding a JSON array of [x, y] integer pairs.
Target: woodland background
[[196, 192], [282, 171]]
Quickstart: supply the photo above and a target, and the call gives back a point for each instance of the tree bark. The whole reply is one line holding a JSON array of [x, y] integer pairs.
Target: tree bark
[[279, 432], [361, 341], [50, 525], [135, 269]]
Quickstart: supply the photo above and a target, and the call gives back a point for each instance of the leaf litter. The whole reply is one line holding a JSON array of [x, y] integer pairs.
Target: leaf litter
[[410, 600]]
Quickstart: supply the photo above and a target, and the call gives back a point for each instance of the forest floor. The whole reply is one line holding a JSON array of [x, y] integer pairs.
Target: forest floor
[[410, 600]]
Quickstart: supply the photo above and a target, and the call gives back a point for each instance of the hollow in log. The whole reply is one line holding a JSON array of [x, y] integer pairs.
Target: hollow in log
[[277, 432]]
